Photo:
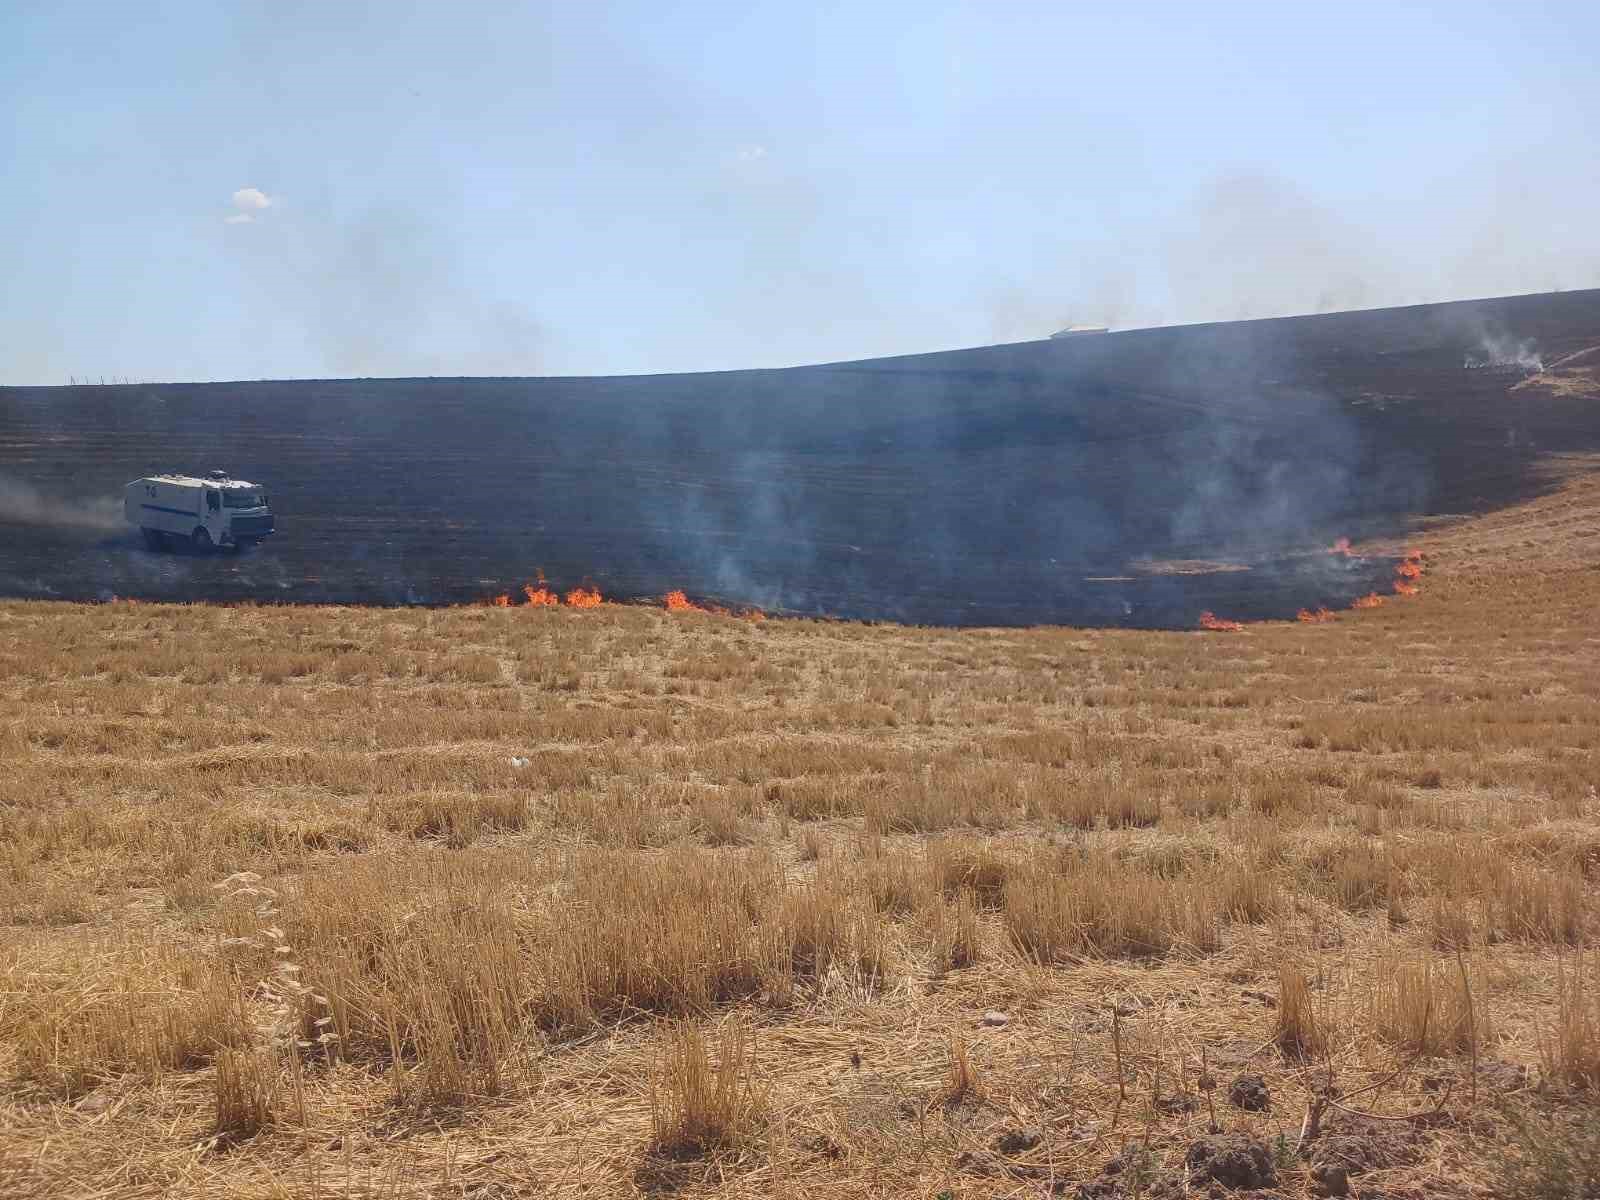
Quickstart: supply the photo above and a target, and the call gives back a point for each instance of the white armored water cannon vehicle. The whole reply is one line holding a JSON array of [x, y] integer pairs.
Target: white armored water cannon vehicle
[[203, 514]]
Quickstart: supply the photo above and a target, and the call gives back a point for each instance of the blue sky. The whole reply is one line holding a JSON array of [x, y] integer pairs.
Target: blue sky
[[285, 189]]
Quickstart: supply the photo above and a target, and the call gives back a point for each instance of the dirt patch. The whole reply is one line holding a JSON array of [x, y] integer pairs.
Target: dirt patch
[[1359, 1146], [1495, 1077], [1133, 1173]]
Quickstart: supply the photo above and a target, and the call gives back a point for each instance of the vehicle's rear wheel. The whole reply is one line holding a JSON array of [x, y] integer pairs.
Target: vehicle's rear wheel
[[152, 538], [201, 540]]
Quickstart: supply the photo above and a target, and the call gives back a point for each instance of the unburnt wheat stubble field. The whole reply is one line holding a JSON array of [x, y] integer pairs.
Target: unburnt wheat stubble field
[[512, 902]]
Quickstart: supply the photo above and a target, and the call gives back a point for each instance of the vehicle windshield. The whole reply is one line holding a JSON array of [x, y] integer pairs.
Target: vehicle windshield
[[243, 498]]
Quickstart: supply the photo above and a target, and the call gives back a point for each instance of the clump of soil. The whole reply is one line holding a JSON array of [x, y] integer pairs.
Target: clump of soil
[[1133, 1173], [1018, 1140], [1235, 1160], [1250, 1093], [1357, 1146], [1329, 1180]]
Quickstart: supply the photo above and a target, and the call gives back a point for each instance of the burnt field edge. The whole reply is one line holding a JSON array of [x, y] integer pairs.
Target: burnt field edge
[[1010, 485]]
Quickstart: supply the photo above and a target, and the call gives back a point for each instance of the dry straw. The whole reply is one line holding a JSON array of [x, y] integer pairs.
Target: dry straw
[[700, 1106]]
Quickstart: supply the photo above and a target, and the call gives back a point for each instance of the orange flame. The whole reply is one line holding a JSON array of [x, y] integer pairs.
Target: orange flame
[[677, 601], [1320, 616], [1341, 546], [1370, 600], [1210, 620], [1406, 572], [540, 596]]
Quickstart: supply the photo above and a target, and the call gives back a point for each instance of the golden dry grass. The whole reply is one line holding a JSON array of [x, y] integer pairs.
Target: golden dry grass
[[524, 902], [699, 1107]]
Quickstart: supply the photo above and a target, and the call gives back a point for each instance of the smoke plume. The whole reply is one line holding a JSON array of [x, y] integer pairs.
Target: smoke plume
[[381, 292], [1497, 348], [23, 504]]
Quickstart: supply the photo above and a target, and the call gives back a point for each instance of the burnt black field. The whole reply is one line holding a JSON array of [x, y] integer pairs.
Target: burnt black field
[[1042, 482]]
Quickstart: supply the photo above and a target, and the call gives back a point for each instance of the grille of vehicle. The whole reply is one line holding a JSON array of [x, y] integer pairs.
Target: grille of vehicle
[[252, 526]]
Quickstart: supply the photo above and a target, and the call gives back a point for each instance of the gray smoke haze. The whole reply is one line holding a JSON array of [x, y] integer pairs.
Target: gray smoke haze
[[383, 293], [1251, 244], [22, 503], [1255, 246], [565, 189], [1247, 245], [388, 290]]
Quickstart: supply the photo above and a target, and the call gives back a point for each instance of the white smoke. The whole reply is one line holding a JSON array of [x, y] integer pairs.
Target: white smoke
[[23, 504], [1503, 350]]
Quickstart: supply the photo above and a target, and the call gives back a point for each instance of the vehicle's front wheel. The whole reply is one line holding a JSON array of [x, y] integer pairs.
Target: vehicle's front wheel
[[201, 541], [152, 538]]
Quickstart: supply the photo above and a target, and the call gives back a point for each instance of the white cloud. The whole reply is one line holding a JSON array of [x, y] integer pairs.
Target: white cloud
[[246, 199], [238, 219]]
